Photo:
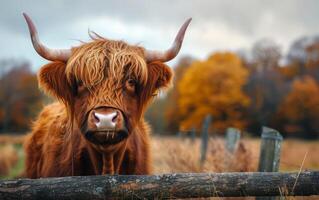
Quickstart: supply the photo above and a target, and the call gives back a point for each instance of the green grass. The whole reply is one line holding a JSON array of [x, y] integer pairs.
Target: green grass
[[17, 170]]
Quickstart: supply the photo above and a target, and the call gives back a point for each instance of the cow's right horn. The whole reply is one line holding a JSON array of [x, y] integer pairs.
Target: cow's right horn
[[45, 52]]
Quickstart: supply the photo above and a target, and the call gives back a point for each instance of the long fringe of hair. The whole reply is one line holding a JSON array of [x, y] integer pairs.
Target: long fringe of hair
[[89, 62]]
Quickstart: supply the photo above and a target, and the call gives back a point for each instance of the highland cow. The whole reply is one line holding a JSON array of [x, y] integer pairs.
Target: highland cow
[[97, 126]]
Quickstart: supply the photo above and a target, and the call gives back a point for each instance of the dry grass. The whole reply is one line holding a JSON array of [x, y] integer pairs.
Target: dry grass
[[11, 139], [182, 155], [8, 158], [292, 154], [176, 155]]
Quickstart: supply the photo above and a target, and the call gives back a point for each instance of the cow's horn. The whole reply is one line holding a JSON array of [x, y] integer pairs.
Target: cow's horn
[[172, 52], [45, 52]]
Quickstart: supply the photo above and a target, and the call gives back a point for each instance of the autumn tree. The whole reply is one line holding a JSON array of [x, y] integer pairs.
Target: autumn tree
[[20, 98], [299, 111], [265, 85], [172, 112], [302, 59], [163, 113], [266, 54], [213, 86], [312, 63], [155, 115]]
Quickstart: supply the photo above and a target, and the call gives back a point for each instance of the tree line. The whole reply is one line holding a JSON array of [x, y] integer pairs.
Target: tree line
[[20, 98], [246, 90]]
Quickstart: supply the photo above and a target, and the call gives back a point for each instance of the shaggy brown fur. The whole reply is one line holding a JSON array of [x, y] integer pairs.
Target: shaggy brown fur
[[95, 75]]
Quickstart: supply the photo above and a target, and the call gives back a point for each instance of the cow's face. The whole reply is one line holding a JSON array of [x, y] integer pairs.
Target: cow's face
[[106, 86]]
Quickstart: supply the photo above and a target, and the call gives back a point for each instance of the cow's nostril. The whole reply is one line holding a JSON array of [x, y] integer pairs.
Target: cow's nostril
[[96, 117], [115, 117]]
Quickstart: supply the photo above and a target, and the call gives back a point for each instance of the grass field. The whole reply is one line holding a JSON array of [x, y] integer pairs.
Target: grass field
[[176, 155], [172, 154], [11, 160]]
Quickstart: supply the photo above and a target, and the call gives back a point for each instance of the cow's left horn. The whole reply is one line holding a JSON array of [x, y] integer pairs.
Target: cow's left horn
[[45, 52], [172, 52]]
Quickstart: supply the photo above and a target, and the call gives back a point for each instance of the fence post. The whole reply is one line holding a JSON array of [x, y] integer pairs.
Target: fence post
[[204, 138], [269, 153], [180, 134], [232, 138], [193, 134]]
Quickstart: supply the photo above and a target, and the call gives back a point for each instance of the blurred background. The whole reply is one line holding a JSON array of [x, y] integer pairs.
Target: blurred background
[[247, 64]]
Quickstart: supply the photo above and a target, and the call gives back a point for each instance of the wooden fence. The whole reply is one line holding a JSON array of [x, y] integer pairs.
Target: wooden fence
[[163, 186], [269, 149]]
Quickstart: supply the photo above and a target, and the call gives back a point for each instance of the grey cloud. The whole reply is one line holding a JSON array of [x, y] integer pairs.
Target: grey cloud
[[242, 15], [239, 22]]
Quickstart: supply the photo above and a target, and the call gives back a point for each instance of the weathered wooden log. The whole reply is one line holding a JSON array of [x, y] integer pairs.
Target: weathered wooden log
[[165, 186]]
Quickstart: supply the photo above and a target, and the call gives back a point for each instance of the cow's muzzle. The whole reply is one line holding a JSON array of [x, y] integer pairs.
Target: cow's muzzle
[[106, 125]]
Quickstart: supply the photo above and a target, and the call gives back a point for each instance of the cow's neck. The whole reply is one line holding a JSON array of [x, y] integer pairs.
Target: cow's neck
[[107, 161], [103, 160], [108, 164]]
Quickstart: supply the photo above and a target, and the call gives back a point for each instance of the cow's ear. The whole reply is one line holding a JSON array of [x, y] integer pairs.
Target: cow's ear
[[160, 75], [52, 79]]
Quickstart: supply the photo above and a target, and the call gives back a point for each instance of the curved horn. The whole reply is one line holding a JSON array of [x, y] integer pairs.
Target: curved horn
[[45, 52], [172, 52]]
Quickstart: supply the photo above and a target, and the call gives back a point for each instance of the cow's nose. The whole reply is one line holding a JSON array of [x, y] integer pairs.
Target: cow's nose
[[105, 121]]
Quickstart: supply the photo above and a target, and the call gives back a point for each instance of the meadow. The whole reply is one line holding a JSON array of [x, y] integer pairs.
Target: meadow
[[176, 155], [172, 154]]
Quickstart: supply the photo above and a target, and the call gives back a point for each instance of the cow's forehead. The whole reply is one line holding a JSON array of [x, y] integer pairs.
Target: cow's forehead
[[93, 62]]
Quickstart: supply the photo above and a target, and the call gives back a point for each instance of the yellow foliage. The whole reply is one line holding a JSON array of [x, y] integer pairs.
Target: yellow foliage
[[213, 86]]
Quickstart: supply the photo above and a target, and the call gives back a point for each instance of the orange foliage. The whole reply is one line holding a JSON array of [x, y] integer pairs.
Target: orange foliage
[[172, 110], [20, 99], [214, 87], [289, 72], [301, 106]]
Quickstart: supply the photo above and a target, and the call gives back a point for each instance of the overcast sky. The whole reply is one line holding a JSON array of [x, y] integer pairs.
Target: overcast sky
[[217, 25]]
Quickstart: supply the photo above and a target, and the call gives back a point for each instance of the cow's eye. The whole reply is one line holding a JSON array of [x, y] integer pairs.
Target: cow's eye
[[80, 87], [154, 94], [130, 85]]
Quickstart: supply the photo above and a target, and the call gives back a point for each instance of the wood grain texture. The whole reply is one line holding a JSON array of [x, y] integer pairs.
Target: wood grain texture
[[166, 186]]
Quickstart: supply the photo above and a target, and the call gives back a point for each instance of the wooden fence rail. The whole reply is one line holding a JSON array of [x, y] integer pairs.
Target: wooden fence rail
[[164, 186]]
